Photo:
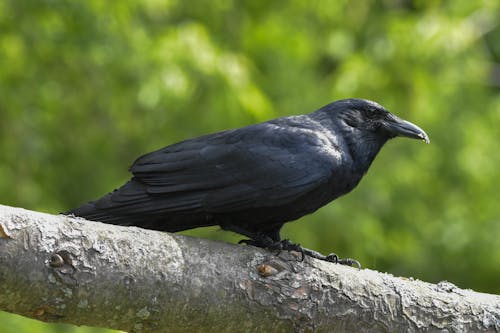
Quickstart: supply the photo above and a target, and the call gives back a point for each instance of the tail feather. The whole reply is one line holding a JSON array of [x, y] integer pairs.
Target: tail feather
[[145, 211], [164, 222], [90, 212]]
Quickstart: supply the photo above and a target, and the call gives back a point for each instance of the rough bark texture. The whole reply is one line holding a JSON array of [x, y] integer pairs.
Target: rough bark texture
[[61, 269]]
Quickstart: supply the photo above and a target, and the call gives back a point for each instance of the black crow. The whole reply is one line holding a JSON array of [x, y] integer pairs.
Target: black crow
[[253, 179]]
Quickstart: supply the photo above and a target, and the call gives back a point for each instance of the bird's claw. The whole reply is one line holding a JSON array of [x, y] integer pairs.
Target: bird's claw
[[287, 245], [349, 262], [278, 246], [332, 257]]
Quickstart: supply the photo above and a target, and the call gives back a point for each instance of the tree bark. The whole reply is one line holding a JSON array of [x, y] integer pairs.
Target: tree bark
[[61, 269]]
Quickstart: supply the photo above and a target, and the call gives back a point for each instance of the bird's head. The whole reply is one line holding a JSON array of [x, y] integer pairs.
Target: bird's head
[[368, 119], [365, 126]]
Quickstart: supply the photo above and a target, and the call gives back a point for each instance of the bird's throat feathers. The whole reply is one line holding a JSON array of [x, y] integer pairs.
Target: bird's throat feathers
[[363, 147]]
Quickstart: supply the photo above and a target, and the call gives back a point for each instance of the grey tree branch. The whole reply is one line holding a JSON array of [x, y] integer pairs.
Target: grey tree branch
[[61, 269]]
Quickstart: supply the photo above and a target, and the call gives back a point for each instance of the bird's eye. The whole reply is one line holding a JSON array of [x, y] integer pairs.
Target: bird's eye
[[372, 114]]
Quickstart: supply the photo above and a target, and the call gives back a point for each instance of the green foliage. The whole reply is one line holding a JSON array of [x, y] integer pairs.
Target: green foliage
[[10, 323], [88, 86]]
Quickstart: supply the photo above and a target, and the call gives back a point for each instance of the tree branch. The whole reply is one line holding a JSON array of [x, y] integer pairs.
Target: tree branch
[[61, 269]]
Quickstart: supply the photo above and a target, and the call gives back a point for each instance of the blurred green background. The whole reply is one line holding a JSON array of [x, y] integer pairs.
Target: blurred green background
[[88, 86]]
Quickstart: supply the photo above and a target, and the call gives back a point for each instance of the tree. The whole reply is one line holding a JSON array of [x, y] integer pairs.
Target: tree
[[62, 269]]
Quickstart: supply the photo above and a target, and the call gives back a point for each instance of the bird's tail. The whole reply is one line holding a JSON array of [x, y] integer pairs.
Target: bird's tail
[[164, 222], [120, 207], [131, 205], [90, 212]]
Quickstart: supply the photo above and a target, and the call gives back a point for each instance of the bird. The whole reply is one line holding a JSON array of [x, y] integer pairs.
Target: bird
[[254, 179]]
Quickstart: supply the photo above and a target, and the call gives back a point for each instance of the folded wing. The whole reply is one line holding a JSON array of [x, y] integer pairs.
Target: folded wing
[[263, 165]]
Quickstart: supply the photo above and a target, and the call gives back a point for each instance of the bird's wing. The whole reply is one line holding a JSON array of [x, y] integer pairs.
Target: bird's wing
[[258, 166]]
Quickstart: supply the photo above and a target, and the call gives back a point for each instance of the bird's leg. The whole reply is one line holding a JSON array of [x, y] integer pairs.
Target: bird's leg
[[264, 241], [272, 241]]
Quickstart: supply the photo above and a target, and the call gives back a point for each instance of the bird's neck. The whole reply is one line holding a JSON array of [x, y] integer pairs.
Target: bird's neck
[[363, 150]]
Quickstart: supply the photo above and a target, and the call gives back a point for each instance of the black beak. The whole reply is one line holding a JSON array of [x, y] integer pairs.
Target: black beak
[[400, 127]]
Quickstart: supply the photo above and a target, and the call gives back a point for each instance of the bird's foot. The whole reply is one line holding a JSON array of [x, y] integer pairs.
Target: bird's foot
[[287, 245], [332, 257], [270, 244]]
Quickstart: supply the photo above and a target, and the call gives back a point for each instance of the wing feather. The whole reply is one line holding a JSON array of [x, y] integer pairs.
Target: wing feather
[[257, 166]]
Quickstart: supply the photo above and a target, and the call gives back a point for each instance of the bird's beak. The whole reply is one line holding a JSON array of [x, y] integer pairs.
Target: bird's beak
[[401, 127]]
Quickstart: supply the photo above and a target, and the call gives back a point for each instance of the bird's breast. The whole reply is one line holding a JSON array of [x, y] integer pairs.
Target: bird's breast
[[343, 180]]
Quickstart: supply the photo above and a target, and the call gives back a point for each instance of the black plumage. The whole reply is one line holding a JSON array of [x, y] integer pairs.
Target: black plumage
[[252, 180]]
